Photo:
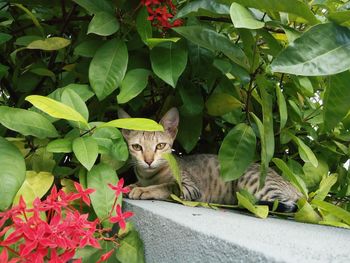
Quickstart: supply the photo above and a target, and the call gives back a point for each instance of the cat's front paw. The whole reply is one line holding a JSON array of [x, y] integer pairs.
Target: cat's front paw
[[140, 193]]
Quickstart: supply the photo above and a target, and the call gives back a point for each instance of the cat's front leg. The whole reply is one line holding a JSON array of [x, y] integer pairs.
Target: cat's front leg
[[157, 192]]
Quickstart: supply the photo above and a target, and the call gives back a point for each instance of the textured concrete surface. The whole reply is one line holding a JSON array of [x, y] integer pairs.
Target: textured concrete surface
[[175, 233]]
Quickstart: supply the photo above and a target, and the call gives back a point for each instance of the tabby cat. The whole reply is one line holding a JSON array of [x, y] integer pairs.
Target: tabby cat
[[200, 173]]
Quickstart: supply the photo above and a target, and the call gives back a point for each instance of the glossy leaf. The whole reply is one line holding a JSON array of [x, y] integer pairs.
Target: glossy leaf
[[219, 104], [341, 17], [325, 186], [291, 177], [174, 167], [107, 68], [282, 107], [11, 176], [27, 122], [306, 213], [204, 8], [313, 175], [235, 160], [102, 199], [35, 185], [86, 151], [305, 152], [96, 6], [133, 84], [336, 100], [307, 59], [131, 249], [103, 24], [138, 124], [60, 146], [190, 130], [88, 48], [168, 62], [152, 42], [56, 109], [73, 100], [242, 18], [49, 44], [261, 211], [333, 209], [143, 25], [4, 38], [293, 7], [210, 39]]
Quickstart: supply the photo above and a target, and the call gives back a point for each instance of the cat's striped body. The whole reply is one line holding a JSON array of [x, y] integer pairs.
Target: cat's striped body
[[200, 174]]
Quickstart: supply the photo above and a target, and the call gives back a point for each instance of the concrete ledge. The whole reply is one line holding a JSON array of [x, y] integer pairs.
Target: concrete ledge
[[176, 233]]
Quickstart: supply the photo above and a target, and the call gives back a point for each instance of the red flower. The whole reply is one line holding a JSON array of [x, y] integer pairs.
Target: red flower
[[105, 256], [120, 217], [119, 188], [4, 257], [83, 194]]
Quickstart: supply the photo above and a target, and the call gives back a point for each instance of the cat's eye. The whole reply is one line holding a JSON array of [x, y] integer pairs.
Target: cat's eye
[[160, 146], [137, 147]]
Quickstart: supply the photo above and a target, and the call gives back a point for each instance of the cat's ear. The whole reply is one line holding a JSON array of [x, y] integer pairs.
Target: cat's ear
[[170, 121], [122, 114]]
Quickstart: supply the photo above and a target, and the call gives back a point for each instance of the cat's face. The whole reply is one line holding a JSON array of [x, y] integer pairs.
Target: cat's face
[[147, 148]]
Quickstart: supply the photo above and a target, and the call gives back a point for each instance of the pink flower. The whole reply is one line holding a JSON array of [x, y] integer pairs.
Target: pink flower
[[119, 188], [120, 217], [83, 194]]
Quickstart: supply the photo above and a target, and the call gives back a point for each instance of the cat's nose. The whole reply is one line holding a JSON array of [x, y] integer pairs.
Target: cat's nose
[[149, 162]]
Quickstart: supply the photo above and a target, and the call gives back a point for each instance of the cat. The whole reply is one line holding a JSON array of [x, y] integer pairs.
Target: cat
[[200, 173]]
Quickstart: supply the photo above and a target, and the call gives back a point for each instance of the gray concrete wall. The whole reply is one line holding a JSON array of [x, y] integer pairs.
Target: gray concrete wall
[[175, 233]]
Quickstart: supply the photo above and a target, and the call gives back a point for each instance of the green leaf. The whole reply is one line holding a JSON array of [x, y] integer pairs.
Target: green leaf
[[138, 124], [73, 100], [131, 249], [261, 211], [49, 44], [306, 213], [305, 58], [102, 199], [325, 186], [293, 7], [31, 16], [174, 167], [133, 84], [242, 18], [204, 8], [35, 185], [334, 223], [290, 176], [108, 67], [210, 39], [12, 172], [4, 38], [86, 151], [234, 161], [152, 42], [219, 104], [304, 151], [56, 109], [341, 17], [313, 175], [60, 146], [190, 203], [143, 25], [27, 122], [336, 100], [94, 6], [44, 72], [82, 90], [88, 48], [282, 107], [333, 209], [103, 24], [192, 100], [168, 61]]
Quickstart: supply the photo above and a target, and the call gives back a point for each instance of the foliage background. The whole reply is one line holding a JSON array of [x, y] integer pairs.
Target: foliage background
[[264, 81]]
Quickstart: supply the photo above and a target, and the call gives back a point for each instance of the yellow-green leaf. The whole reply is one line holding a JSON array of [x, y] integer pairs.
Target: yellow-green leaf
[[49, 44], [261, 211], [35, 185], [221, 103], [138, 124], [174, 167], [56, 109], [306, 213]]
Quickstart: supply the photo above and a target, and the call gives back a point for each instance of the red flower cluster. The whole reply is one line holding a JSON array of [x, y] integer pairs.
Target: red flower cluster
[[160, 13], [55, 238]]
